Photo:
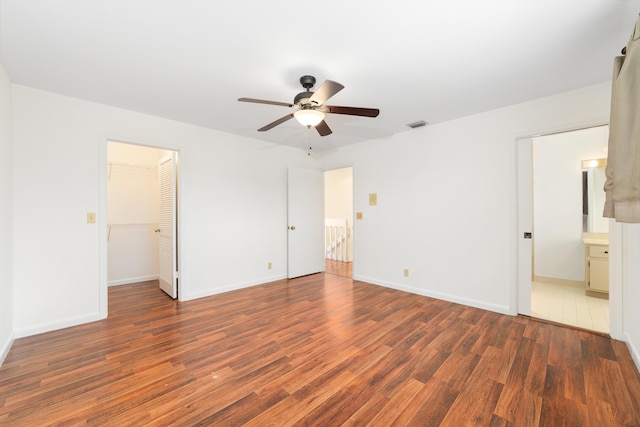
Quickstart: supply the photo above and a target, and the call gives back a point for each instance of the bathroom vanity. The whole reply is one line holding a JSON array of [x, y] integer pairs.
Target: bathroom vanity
[[595, 229], [596, 274]]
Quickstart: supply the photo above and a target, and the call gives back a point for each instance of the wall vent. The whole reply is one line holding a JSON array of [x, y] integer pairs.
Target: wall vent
[[417, 124]]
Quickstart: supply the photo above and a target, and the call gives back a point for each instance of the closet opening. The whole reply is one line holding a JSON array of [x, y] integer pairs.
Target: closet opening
[[142, 211]]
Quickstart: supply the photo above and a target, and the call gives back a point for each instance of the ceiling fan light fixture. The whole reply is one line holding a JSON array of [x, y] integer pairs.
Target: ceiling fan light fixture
[[309, 117]]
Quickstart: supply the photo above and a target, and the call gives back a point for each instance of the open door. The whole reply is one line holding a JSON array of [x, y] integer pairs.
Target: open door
[[168, 275], [525, 224], [305, 213]]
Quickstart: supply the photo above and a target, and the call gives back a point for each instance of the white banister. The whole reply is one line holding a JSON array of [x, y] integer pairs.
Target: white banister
[[336, 237]]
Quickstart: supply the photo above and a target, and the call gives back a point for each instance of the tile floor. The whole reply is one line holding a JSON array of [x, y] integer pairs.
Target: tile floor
[[569, 305]]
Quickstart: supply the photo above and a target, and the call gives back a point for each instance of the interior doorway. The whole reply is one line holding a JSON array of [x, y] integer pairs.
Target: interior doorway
[[338, 214], [551, 206], [135, 201]]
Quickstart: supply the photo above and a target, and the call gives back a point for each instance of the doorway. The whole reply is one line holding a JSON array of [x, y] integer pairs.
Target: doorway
[[135, 202], [338, 214], [550, 189]]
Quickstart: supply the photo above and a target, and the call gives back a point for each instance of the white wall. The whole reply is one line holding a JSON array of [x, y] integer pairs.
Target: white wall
[[132, 212], [338, 200], [6, 217], [557, 200], [232, 203], [631, 288], [447, 199]]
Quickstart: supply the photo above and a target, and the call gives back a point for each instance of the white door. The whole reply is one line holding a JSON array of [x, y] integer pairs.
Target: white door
[[525, 224], [168, 275], [305, 214]]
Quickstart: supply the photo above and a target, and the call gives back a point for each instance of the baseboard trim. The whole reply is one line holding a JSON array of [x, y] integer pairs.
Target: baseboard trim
[[231, 287], [60, 324], [635, 353], [556, 281], [130, 280], [6, 346], [502, 309]]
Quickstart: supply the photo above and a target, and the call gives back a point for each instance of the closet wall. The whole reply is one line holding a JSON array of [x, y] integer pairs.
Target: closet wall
[[132, 210]]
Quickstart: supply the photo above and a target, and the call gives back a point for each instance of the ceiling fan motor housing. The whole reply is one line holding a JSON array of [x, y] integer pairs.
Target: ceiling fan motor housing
[[302, 99]]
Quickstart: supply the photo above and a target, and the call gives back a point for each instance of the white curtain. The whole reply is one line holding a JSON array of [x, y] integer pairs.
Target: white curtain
[[622, 187]]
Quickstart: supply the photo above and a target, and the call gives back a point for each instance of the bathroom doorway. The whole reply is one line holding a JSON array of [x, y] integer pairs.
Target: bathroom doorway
[[559, 256]]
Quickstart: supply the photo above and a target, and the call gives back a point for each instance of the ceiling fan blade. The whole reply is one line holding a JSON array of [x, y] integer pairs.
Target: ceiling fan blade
[[276, 123], [264, 101], [327, 89], [323, 128], [352, 111]]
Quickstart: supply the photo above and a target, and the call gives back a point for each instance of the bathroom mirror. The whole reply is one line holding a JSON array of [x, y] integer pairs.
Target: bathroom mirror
[[593, 179]]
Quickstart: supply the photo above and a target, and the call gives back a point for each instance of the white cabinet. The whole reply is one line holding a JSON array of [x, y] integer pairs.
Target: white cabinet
[[597, 269]]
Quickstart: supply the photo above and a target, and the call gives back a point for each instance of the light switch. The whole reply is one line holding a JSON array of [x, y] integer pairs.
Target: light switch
[[358, 215], [373, 199], [91, 217]]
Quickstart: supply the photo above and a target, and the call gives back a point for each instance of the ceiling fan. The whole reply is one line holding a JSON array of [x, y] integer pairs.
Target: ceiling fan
[[310, 106]]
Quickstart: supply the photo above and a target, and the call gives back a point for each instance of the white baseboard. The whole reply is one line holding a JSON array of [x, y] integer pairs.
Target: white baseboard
[[131, 280], [633, 349], [6, 346], [561, 282], [231, 287], [59, 324], [502, 309]]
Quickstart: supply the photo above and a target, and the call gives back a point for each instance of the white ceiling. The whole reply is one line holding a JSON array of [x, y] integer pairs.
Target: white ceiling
[[432, 60]]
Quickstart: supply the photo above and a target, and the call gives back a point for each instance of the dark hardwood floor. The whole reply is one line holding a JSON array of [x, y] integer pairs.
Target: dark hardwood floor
[[320, 350]]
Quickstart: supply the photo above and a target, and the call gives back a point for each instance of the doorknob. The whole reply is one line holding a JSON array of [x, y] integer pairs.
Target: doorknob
[[292, 227], [157, 230]]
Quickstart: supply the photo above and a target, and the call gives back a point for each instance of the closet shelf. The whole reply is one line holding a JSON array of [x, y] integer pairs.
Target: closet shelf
[[129, 224], [132, 167]]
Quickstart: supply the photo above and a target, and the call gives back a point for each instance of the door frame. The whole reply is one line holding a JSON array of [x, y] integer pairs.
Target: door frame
[[353, 209], [615, 241], [102, 220]]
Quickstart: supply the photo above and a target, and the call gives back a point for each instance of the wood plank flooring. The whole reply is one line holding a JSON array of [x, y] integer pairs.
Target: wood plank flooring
[[320, 350]]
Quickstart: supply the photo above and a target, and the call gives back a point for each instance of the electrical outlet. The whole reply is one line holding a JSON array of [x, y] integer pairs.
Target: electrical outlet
[[406, 272], [269, 266]]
